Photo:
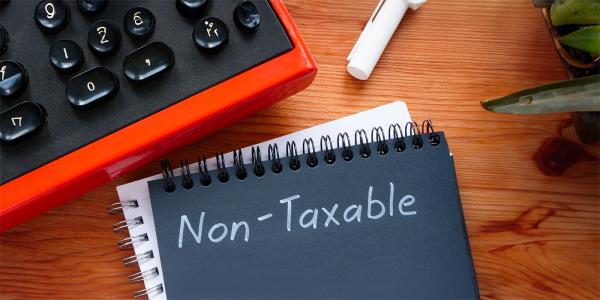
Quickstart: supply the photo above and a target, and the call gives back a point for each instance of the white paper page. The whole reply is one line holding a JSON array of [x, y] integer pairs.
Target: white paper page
[[383, 116]]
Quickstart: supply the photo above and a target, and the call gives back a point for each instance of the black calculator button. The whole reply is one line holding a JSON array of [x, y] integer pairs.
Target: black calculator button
[[92, 87], [246, 16], [13, 78], [21, 121], [104, 38], [66, 56], [139, 23], [148, 62], [191, 8], [52, 15], [91, 7], [210, 34], [3, 40]]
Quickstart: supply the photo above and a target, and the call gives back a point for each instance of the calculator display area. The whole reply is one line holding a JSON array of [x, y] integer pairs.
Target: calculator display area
[[70, 127]]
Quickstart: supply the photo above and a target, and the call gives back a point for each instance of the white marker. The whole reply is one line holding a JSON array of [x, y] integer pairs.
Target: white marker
[[376, 35]]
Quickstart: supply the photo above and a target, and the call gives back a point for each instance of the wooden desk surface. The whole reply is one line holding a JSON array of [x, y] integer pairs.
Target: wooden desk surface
[[532, 236]]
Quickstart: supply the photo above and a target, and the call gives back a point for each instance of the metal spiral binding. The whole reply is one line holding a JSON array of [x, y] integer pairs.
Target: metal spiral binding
[[395, 134], [138, 258], [126, 224], [143, 275], [377, 134], [238, 162], [273, 156], [186, 176], [399, 143], [223, 175], [365, 150], [434, 138], [128, 242], [118, 207], [204, 176], [131, 241], [291, 151], [311, 154], [329, 156], [259, 168], [417, 141], [155, 290], [167, 173], [346, 149]]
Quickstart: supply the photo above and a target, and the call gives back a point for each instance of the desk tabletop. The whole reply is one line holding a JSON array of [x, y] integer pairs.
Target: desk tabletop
[[532, 236]]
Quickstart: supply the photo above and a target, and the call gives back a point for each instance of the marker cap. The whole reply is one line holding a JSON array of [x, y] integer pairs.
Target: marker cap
[[376, 35]]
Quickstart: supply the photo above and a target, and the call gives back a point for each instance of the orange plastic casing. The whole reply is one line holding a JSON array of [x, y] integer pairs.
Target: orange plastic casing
[[148, 139]]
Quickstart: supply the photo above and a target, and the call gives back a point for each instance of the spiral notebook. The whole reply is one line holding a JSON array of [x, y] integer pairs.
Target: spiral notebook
[[357, 214]]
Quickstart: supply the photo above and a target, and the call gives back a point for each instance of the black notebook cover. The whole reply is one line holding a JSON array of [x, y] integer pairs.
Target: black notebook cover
[[324, 232]]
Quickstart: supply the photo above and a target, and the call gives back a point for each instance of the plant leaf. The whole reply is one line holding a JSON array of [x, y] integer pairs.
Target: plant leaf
[[581, 12], [581, 94], [586, 39]]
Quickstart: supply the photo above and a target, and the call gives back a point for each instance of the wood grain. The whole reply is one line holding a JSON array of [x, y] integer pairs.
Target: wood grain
[[532, 236]]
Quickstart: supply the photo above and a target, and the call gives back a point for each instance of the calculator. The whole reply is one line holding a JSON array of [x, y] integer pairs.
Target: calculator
[[92, 89]]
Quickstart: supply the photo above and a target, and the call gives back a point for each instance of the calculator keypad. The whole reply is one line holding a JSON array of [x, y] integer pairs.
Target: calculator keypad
[[141, 57], [21, 121], [52, 15], [210, 34], [66, 56], [104, 38], [13, 78], [92, 88], [148, 62], [139, 23], [246, 16], [191, 8], [91, 7]]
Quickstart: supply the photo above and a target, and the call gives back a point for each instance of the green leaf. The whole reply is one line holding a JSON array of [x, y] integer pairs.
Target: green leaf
[[586, 39], [581, 94], [581, 12]]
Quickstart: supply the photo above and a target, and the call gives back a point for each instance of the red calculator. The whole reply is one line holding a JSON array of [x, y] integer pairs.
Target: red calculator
[[92, 89]]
